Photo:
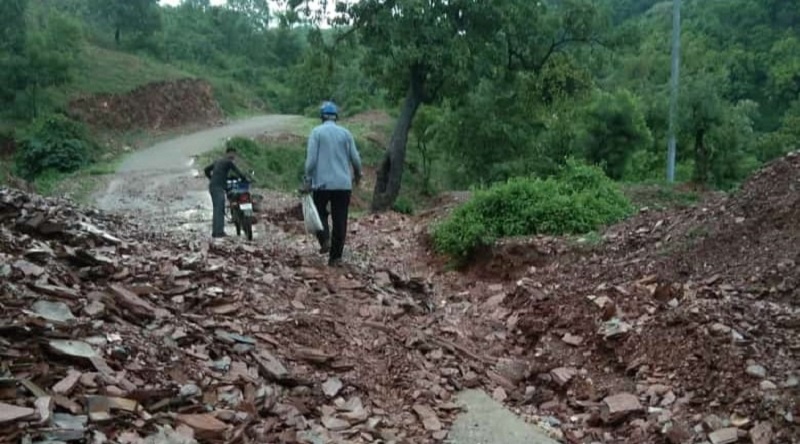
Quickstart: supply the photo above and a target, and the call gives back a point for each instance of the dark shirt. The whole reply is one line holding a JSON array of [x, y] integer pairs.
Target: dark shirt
[[218, 172]]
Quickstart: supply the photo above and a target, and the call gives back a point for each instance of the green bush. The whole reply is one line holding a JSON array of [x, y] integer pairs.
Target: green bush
[[403, 205], [53, 143], [276, 166], [579, 199]]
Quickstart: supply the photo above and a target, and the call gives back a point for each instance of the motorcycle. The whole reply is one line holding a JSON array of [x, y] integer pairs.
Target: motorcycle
[[240, 203]]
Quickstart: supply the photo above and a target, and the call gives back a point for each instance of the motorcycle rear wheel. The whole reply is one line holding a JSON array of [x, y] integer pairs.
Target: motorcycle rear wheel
[[247, 226], [236, 215]]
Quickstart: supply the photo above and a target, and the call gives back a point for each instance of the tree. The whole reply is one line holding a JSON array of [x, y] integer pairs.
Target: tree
[[257, 11], [51, 55], [615, 129], [702, 112], [13, 39], [427, 50], [129, 16]]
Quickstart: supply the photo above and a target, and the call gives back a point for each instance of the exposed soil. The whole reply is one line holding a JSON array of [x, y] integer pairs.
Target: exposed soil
[[693, 314], [155, 106], [706, 291]]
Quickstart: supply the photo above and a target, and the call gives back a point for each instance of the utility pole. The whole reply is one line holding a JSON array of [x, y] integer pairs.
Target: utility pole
[[673, 99]]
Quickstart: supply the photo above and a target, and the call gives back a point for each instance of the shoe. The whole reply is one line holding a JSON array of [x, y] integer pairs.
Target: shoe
[[326, 247], [336, 263]]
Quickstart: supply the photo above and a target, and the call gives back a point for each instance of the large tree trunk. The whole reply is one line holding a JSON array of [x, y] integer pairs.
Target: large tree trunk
[[387, 185]]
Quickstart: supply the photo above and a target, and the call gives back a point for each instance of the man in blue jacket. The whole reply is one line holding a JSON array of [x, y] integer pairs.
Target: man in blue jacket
[[331, 153]]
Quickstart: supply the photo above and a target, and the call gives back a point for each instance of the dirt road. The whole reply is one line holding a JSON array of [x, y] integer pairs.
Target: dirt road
[[163, 183], [163, 186]]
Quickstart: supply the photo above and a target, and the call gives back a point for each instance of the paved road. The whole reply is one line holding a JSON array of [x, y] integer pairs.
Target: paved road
[[488, 422], [161, 183]]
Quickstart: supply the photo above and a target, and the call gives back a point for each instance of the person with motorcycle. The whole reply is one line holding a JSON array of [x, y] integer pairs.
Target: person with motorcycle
[[217, 174], [331, 153]]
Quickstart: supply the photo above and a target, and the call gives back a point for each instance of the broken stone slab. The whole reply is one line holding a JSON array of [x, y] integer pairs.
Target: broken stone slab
[[499, 394], [232, 338], [335, 424], [678, 433], [614, 328], [354, 410], [56, 291], [572, 340], [767, 385], [617, 407], [53, 311], [166, 435], [138, 306], [44, 408], [562, 375], [39, 254], [73, 349], [28, 269], [428, 417], [331, 387], [513, 370], [225, 309], [93, 230], [68, 428], [11, 413], [313, 355], [65, 386], [756, 371], [82, 350], [270, 366], [94, 309], [761, 433], [724, 436], [190, 390], [70, 422], [203, 423]]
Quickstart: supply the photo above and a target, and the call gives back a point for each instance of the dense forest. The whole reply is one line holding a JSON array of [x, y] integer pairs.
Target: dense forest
[[486, 90]]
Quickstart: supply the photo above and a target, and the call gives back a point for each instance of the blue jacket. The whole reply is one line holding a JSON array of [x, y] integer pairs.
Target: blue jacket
[[331, 152]]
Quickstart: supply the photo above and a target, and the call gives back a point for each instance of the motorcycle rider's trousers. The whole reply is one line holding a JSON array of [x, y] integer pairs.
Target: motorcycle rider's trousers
[[218, 208]]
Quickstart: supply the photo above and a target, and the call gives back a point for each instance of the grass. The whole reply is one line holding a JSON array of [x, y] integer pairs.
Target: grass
[[661, 196], [107, 71], [78, 186]]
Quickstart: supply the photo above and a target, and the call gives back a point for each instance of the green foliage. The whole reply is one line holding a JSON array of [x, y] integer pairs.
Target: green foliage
[[13, 39], [579, 199], [139, 18], [615, 129], [403, 205], [276, 166], [35, 58], [56, 144]]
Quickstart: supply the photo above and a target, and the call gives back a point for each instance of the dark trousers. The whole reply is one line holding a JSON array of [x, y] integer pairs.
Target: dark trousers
[[218, 204], [340, 204]]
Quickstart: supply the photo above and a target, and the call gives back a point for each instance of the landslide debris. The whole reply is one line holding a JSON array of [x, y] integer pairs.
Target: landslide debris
[[111, 334], [679, 326], [154, 106], [696, 312]]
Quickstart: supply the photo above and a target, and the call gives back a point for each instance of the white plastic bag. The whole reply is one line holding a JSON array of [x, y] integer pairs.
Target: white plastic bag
[[310, 215]]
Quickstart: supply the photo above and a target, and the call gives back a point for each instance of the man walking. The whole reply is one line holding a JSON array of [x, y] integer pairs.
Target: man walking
[[217, 173], [331, 153]]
